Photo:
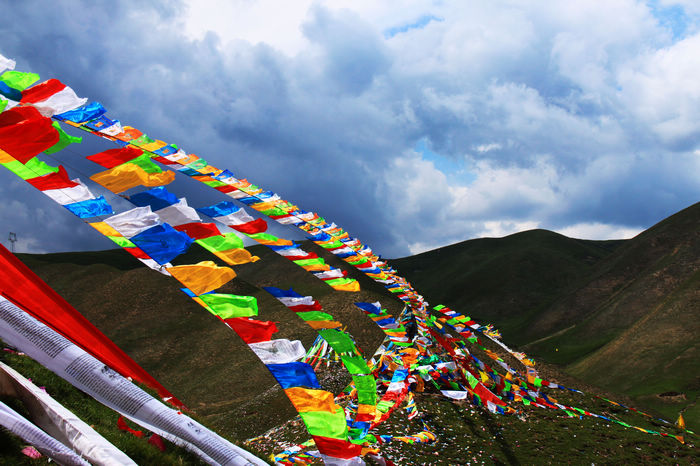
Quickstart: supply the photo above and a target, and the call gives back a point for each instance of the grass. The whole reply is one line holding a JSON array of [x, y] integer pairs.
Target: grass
[[99, 417]]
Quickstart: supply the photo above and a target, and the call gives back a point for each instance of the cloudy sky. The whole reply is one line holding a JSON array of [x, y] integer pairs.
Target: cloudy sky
[[412, 124]]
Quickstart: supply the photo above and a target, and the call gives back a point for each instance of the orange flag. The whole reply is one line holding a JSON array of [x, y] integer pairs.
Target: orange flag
[[306, 400], [129, 175], [202, 277]]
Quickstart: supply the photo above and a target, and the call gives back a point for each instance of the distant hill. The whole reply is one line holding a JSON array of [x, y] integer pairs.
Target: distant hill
[[507, 281], [624, 315]]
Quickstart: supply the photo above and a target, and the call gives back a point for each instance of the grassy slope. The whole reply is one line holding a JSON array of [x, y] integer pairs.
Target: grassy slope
[[469, 435], [641, 319], [626, 318], [188, 350]]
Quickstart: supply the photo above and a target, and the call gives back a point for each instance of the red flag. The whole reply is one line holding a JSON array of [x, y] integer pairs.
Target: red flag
[[25, 133], [337, 448], [226, 189], [157, 442], [42, 91], [251, 330], [198, 230], [258, 225], [121, 423], [113, 157], [306, 307], [58, 180]]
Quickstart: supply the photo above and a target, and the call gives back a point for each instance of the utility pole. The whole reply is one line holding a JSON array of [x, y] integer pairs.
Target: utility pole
[[12, 239]]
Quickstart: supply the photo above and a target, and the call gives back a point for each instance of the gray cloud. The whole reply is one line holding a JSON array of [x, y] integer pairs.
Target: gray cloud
[[564, 115]]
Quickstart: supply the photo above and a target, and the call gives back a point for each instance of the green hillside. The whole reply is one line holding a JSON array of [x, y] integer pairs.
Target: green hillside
[[624, 315], [639, 314], [507, 281]]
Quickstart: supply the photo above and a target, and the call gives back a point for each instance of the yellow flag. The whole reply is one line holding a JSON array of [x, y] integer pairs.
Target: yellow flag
[[306, 399], [202, 277], [236, 256], [129, 175], [680, 423]]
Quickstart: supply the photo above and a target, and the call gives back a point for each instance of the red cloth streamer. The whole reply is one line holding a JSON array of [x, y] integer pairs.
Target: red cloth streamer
[[251, 330], [198, 230], [337, 448], [137, 253], [226, 189], [311, 255], [157, 442], [258, 225], [26, 290], [164, 161], [114, 157], [42, 91], [121, 423], [58, 180], [25, 133], [306, 307]]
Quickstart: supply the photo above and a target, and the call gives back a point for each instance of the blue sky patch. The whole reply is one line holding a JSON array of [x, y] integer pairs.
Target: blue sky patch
[[420, 23], [672, 17], [454, 169]]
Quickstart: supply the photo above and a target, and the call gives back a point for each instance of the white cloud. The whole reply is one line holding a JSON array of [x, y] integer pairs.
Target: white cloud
[[599, 231], [481, 148], [660, 89]]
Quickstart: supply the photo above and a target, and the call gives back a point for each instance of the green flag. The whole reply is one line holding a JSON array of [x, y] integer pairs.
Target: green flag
[[197, 164], [121, 241], [228, 306], [221, 243], [326, 424], [144, 161], [355, 364], [314, 315], [64, 140], [316, 261], [366, 387], [339, 341], [142, 140], [33, 168], [19, 80]]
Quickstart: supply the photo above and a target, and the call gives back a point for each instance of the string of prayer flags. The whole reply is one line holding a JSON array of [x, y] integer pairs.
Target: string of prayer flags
[[342, 343], [145, 227]]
